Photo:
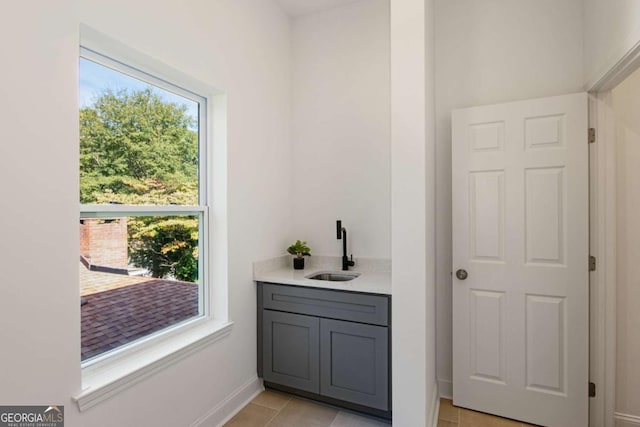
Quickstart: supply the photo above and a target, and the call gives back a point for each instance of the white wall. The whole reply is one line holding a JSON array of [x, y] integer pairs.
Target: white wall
[[39, 309], [242, 48], [626, 105], [489, 52], [341, 141], [413, 209], [611, 29], [345, 88]]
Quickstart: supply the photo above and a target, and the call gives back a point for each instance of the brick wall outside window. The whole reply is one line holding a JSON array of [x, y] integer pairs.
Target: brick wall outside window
[[104, 241]]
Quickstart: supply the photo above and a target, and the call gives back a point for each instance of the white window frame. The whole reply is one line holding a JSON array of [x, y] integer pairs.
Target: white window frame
[[107, 374], [201, 211]]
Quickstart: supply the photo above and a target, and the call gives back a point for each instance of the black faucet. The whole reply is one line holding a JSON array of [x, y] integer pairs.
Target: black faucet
[[342, 234]]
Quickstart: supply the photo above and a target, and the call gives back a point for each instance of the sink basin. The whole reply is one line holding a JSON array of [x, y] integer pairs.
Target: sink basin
[[333, 276]]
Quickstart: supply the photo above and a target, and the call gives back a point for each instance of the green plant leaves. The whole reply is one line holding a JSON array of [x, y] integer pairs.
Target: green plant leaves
[[299, 249]]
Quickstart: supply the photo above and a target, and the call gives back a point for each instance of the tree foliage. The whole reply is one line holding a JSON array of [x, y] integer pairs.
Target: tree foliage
[[137, 135], [167, 245], [137, 149]]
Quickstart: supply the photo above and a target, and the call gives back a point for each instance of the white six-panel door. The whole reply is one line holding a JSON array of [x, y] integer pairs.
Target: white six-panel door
[[520, 231]]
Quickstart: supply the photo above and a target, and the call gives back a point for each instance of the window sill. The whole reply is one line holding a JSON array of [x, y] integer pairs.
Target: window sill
[[106, 379]]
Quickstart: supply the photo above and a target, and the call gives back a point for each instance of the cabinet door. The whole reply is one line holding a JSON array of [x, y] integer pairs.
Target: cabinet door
[[354, 363], [291, 349]]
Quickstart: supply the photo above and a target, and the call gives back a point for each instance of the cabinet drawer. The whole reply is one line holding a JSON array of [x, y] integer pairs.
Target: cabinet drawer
[[363, 308]]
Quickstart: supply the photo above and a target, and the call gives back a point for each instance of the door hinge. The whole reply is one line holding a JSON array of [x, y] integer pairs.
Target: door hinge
[[592, 389], [592, 135], [592, 263]]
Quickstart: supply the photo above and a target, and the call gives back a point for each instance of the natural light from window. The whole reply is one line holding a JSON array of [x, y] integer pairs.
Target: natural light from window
[[143, 206]]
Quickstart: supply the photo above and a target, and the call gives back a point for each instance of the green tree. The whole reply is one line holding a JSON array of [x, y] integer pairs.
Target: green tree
[[137, 144], [167, 245], [137, 149]]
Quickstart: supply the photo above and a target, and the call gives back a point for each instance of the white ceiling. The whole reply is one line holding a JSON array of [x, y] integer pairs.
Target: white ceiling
[[303, 7]]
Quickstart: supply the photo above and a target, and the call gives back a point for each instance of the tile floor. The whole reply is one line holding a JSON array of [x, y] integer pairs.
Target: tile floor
[[273, 409], [452, 416]]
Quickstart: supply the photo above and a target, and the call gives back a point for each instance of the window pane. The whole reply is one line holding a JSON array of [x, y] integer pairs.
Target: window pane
[[138, 275], [138, 142]]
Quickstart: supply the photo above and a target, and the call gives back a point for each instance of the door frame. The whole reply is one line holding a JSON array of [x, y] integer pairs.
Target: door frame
[[602, 207]]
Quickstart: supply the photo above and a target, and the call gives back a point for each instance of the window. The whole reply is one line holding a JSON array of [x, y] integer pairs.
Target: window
[[143, 205]]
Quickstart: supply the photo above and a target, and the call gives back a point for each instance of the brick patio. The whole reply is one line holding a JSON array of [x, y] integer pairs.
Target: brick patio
[[121, 309]]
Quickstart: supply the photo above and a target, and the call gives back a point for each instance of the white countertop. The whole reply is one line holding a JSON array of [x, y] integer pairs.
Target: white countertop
[[367, 281]]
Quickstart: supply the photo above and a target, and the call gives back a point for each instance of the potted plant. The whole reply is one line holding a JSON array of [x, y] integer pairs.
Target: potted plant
[[300, 250]]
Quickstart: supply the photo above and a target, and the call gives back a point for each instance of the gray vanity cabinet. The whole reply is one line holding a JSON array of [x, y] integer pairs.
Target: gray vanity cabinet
[[326, 344]]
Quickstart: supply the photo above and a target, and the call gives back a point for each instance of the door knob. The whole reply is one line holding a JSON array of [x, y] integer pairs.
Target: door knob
[[462, 274]]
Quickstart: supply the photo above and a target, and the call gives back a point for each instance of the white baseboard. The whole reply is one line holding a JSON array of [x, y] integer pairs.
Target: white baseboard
[[230, 406], [627, 419], [435, 406], [446, 389]]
